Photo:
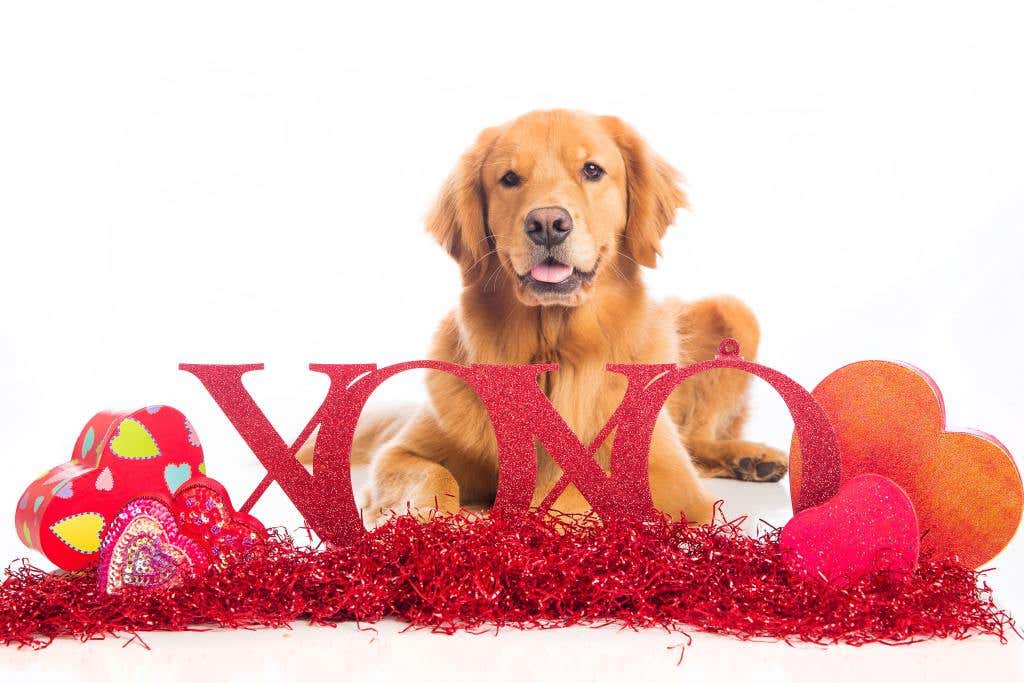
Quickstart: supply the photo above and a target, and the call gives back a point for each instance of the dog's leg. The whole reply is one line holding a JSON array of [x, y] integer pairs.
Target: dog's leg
[[675, 484], [710, 408], [407, 475], [569, 502], [376, 426], [676, 488], [403, 481]]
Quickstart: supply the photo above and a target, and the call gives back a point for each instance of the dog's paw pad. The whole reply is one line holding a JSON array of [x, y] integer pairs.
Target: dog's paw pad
[[761, 468]]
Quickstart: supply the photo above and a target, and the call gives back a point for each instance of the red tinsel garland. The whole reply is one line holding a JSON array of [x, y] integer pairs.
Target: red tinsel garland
[[469, 571]]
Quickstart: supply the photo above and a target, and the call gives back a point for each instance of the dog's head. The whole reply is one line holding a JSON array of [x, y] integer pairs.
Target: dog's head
[[554, 198]]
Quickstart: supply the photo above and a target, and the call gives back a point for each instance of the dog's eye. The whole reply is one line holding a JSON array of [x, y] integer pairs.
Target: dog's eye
[[592, 171], [511, 179]]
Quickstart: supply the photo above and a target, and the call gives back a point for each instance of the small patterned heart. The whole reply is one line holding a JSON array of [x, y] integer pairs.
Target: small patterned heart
[[176, 475], [81, 532], [64, 490], [133, 441], [87, 442], [105, 481], [193, 439]]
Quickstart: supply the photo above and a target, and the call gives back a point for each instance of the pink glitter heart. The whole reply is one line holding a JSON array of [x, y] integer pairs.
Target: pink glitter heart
[[870, 524]]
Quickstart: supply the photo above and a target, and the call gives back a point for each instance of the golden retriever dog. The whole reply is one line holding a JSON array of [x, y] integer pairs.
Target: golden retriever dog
[[551, 218]]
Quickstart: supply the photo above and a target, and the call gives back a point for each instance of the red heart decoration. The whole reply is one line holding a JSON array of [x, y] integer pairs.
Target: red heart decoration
[[144, 548], [870, 524], [118, 456], [204, 512]]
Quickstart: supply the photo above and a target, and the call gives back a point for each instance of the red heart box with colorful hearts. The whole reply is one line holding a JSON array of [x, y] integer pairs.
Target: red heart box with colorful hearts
[[64, 513]]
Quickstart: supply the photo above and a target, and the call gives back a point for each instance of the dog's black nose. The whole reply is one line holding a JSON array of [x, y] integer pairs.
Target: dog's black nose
[[548, 226]]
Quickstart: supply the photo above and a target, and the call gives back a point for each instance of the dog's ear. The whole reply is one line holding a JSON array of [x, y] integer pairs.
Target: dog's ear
[[458, 220], [653, 193]]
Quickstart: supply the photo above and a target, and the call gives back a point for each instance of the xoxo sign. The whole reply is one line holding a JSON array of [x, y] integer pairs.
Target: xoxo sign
[[521, 416]]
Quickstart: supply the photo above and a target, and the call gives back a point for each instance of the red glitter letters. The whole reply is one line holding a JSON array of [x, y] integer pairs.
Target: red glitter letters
[[519, 413]]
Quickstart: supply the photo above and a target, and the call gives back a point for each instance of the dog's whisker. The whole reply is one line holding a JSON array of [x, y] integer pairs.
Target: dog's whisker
[[485, 238], [617, 271], [490, 278], [488, 254], [625, 255]]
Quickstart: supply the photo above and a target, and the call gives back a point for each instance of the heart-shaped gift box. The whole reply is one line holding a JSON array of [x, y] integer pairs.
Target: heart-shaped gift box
[[118, 455]]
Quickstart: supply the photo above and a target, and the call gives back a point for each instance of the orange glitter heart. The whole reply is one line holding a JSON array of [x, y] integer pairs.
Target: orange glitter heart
[[890, 420]]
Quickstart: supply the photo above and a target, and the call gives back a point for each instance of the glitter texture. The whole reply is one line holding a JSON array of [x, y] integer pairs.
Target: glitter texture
[[869, 525], [519, 413]]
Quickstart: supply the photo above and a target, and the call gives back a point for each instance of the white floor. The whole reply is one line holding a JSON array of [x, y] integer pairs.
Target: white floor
[[386, 653]]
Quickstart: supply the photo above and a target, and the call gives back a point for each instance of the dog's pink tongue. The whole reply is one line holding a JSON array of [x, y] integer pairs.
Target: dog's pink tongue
[[550, 272]]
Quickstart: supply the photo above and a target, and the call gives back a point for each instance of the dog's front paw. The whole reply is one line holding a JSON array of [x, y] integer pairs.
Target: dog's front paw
[[424, 507], [768, 465]]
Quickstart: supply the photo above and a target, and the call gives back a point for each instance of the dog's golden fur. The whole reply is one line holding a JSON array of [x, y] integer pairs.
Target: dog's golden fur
[[444, 453]]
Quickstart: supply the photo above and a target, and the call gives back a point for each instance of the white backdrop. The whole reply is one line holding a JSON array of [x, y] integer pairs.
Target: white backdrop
[[240, 182]]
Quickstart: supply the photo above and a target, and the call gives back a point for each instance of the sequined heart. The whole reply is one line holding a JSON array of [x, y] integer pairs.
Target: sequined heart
[[149, 563], [204, 512], [144, 548], [870, 524]]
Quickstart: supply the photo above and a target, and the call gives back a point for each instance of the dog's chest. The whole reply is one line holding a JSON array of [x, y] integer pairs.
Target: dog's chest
[[585, 395]]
